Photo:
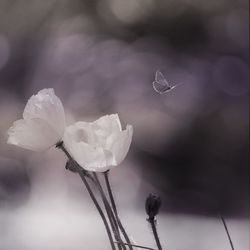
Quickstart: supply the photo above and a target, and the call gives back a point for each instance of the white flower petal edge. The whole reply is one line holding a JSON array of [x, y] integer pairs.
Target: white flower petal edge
[[109, 123], [100, 145], [119, 143], [48, 107], [43, 123]]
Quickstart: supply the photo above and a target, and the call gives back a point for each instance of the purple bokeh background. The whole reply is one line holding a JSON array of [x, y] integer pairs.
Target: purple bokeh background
[[190, 145]]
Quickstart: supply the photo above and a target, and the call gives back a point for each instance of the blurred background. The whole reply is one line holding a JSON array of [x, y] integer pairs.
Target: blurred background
[[190, 145]]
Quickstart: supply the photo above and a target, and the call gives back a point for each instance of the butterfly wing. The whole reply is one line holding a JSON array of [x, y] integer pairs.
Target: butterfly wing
[[159, 88], [160, 84], [159, 77]]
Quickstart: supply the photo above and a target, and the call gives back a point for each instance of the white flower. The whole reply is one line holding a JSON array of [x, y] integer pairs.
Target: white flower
[[99, 145], [43, 122]]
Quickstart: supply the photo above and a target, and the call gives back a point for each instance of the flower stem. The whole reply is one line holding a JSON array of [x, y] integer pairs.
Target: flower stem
[[98, 208], [138, 246], [115, 210], [82, 174], [110, 214], [152, 222], [110, 192], [228, 234]]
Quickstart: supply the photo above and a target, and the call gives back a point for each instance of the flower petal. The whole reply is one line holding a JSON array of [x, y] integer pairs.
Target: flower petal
[[119, 143], [103, 128], [109, 123], [96, 133], [34, 134], [93, 159], [90, 157], [48, 107], [100, 145]]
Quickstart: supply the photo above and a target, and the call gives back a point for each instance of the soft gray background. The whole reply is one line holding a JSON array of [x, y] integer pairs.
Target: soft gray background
[[189, 146]]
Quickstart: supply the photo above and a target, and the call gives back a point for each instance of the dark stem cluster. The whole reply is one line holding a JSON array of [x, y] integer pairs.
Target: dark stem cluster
[[117, 234]]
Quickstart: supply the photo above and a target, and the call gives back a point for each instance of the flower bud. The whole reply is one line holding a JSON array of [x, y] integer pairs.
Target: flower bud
[[152, 206]]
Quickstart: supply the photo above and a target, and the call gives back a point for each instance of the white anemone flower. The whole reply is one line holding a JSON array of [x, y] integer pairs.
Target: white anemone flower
[[100, 145], [43, 123]]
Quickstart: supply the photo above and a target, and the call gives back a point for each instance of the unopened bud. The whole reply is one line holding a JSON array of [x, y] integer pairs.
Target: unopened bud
[[152, 206], [71, 166]]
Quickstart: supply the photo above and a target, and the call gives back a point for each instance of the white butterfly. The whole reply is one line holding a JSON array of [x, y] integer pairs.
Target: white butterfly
[[161, 85]]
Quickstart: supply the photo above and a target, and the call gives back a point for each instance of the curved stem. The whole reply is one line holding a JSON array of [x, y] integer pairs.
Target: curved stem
[[109, 213], [228, 234], [115, 210], [157, 240], [82, 175]]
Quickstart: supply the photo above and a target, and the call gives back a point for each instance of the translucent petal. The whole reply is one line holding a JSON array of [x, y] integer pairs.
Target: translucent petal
[[100, 145], [119, 143], [90, 157], [34, 134], [93, 159], [48, 107], [97, 132], [82, 132], [109, 123]]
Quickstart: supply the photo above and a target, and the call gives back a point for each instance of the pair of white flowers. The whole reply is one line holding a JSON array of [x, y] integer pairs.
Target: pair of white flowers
[[96, 146]]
